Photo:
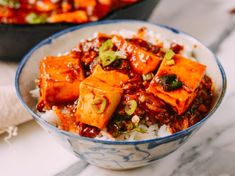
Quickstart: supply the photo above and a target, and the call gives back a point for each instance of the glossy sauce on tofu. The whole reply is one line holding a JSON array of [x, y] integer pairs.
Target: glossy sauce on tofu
[[117, 80]]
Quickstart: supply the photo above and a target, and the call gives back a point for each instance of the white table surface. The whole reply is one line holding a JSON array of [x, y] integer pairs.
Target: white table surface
[[211, 152]]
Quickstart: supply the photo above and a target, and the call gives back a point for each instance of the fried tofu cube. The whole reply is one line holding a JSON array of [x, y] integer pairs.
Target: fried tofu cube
[[78, 16], [142, 61], [88, 112], [99, 97], [60, 78], [106, 2], [189, 72], [113, 78], [85, 4]]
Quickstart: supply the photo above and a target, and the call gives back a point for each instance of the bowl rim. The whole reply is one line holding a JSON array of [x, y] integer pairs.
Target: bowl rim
[[174, 136]]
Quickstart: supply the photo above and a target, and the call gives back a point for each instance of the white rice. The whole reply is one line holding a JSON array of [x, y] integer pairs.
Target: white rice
[[50, 117], [152, 131], [124, 33], [155, 38], [164, 131], [35, 93]]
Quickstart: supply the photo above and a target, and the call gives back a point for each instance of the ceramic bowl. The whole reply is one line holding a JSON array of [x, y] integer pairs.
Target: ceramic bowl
[[114, 154]]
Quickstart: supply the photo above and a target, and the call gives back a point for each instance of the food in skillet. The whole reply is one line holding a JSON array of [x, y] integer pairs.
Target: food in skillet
[[124, 88], [57, 11]]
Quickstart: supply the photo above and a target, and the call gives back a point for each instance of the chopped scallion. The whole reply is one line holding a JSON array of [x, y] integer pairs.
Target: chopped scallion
[[170, 62], [10, 3], [147, 77], [99, 104], [107, 57], [106, 46], [130, 107], [169, 54], [140, 130], [106, 54], [33, 18], [170, 82]]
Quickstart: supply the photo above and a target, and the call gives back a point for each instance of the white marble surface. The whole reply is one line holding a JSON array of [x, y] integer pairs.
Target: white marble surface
[[211, 152]]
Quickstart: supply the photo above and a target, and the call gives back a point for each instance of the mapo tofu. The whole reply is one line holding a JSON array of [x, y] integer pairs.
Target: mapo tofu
[[122, 87], [99, 97], [59, 80], [177, 83]]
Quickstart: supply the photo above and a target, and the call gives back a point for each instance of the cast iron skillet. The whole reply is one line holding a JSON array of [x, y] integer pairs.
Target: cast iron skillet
[[16, 40]]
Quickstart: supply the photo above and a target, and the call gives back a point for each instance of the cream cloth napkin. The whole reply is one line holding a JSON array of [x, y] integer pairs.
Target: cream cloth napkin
[[12, 113]]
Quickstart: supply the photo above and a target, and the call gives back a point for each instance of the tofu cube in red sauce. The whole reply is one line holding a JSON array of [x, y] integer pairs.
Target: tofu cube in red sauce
[[142, 67], [59, 80]]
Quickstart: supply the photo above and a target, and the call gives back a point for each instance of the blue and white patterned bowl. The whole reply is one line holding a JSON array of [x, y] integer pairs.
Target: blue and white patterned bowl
[[114, 154]]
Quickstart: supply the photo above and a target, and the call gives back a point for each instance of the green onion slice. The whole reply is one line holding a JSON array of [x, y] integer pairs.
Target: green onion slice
[[107, 57], [106, 54], [33, 18], [107, 45], [169, 54], [176, 84], [170, 62], [147, 77], [129, 126], [10, 3], [170, 82], [130, 107], [140, 130], [99, 104]]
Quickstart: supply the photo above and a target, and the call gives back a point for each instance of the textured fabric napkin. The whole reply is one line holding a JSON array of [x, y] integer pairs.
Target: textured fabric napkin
[[12, 113]]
